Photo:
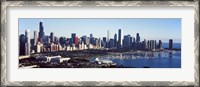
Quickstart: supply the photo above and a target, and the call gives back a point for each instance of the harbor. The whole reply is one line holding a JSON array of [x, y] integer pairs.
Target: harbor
[[84, 59]]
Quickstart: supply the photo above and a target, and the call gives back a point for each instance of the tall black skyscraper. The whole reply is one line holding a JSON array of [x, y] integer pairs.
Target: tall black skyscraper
[[104, 42], [120, 38], [115, 40], [137, 38], [160, 44], [22, 41], [41, 30], [52, 37], [137, 44], [170, 44]]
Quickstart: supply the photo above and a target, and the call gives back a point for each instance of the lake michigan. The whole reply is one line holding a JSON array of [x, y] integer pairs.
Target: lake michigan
[[147, 59]]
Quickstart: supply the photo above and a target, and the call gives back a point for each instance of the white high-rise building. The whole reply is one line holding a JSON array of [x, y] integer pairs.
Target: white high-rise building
[[28, 44], [38, 48], [152, 45], [108, 36], [35, 37]]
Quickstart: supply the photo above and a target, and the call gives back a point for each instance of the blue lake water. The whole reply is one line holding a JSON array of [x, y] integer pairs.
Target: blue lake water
[[141, 59], [175, 45], [157, 62]]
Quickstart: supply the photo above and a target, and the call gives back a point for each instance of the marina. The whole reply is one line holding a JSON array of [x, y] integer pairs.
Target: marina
[[137, 59]]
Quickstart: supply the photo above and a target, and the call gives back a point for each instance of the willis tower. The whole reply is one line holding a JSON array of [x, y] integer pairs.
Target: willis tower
[[41, 31]]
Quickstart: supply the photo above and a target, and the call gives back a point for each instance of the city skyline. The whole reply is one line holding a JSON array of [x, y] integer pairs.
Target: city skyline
[[46, 49], [157, 29]]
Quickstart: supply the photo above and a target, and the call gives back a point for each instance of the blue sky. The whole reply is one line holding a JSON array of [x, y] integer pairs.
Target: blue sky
[[148, 28]]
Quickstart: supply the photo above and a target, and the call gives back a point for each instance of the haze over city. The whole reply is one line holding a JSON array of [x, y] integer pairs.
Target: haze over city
[[157, 29]]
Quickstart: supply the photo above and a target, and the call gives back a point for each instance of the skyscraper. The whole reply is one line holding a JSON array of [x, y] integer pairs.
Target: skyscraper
[[155, 44], [170, 44], [104, 42], [91, 36], [120, 34], [115, 40], [133, 39], [137, 38], [91, 39], [76, 40], [62, 40], [56, 40], [108, 39], [41, 30], [35, 37], [126, 42], [27, 43], [151, 45], [48, 39], [52, 37], [148, 45], [160, 44], [22, 41], [99, 42], [144, 45], [73, 36], [131, 42], [87, 40], [84, 39], [111, 44], [108, 36], [134, 43], [137, 44]]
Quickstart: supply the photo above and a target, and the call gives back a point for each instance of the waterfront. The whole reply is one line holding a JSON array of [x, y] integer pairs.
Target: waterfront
[[165, 59], [120, 59]]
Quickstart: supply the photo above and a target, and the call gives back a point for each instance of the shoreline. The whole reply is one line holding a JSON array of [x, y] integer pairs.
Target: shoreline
[[79, 59], [92, 52]]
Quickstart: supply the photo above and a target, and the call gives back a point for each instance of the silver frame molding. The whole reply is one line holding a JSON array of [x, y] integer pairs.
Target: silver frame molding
[[5, 4]]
